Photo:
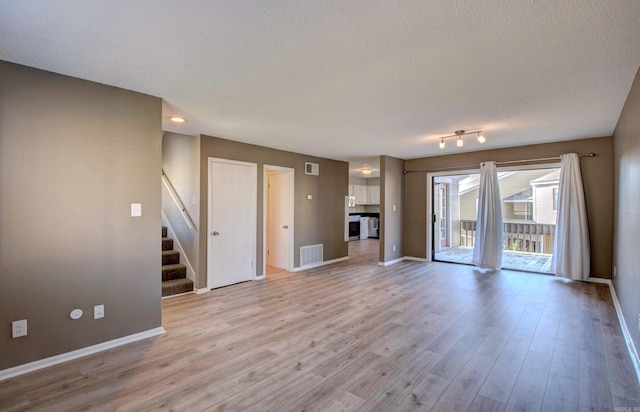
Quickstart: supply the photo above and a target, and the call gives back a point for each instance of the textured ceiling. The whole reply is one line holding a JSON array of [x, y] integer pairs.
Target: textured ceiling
[[349, 79]]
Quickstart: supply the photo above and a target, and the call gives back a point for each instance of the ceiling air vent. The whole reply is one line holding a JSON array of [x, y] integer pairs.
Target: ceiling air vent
[[311, 168]]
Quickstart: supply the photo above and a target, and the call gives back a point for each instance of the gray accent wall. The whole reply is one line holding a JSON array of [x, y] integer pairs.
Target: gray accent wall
[[626, 144], [74, 155], [392, 190], [181, 164], [320, 220], [597, 176]]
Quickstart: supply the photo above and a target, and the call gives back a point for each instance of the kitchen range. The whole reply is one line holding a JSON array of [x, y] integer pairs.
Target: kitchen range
[[364, 226]]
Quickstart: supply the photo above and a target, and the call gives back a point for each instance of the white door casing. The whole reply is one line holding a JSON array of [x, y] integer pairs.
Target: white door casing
[[232, 215]]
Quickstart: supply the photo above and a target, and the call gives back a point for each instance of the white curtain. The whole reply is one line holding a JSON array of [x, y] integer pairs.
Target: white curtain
[[487, 248], [571, 250]]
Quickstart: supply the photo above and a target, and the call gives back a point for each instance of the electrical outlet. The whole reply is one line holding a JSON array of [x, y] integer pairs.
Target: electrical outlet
[[98, 311], [615, 271], [394, 248], [19, 328]]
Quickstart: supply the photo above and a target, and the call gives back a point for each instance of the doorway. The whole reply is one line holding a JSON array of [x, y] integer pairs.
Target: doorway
[[232, 216], [278, 196]]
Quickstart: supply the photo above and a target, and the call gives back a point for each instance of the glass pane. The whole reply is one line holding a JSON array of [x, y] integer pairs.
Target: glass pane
[[529, 210], [528, 205]]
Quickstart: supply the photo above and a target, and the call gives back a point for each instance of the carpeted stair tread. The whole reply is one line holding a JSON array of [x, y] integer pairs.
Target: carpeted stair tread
[[174, 271], [176, 286], [170, 257], [167, 243], [174, 274]]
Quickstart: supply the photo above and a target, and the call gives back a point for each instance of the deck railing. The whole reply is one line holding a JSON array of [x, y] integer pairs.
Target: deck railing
[[518, 236]]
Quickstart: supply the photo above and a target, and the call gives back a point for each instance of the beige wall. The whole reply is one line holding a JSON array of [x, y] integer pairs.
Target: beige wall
[[73, 156], [391, 221], [626, 143], [320, 220], [597, 176], [181, 164]]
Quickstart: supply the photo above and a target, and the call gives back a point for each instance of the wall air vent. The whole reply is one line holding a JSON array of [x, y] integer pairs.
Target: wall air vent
[[311, 169], [311, 255]]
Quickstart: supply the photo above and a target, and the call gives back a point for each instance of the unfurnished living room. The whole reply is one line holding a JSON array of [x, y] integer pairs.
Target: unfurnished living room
[[320, 206]]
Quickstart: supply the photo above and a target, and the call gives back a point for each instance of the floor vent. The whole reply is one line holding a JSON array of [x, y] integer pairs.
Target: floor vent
[[311, 255]]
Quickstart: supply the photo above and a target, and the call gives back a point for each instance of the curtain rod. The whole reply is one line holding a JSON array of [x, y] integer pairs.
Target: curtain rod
[[541, 159]]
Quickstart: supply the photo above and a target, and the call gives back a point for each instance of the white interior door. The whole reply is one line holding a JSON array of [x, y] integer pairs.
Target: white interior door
[[232, 222], [278, 220]]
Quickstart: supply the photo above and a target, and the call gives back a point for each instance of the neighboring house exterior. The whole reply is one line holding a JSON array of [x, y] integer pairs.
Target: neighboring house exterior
[[545, 195]]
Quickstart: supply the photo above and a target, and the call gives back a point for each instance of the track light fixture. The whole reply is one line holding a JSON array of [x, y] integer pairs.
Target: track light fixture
[[459, 141]]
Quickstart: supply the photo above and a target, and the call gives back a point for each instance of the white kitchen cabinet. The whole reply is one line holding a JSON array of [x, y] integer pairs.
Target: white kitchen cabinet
[[365, 193], [360, 192], [373, 195]]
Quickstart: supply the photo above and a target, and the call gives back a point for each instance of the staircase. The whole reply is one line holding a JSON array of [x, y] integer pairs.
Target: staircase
[[174, 274]]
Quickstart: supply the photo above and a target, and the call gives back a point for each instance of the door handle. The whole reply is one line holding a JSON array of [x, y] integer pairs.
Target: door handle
[[215, 233], [285, 227]]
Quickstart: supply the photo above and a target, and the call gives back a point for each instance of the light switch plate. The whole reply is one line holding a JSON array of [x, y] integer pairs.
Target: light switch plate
[[136, 209], [98, 311]]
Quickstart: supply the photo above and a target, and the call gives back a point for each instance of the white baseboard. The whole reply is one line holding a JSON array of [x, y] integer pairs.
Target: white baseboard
[[191, 292], [315, 265], [601, 280], [200, 291], [411, 258], [191, 274], [635, 359], [89, 350], [415, 259], [390, 262]]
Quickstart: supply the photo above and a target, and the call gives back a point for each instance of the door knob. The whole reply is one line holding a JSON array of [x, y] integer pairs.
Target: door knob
[[215, 233], [285, 227]]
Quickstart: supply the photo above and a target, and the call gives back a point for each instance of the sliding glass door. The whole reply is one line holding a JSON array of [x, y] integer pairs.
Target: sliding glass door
[[529, 199], [451, 208]]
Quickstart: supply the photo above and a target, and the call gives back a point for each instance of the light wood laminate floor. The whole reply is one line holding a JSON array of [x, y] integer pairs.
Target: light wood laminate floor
[[356, 336]]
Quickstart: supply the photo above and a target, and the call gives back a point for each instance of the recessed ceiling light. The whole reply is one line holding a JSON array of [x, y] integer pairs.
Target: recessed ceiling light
[[177, 119]]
